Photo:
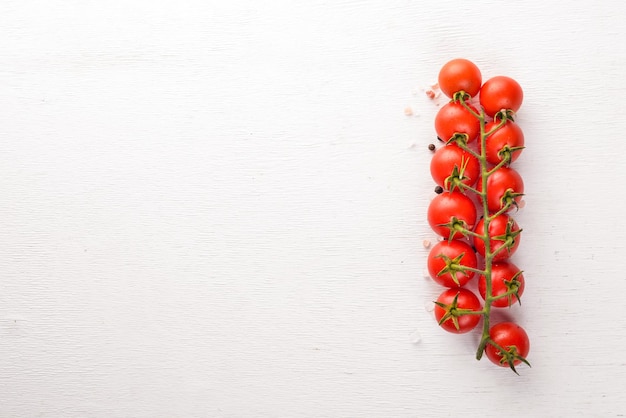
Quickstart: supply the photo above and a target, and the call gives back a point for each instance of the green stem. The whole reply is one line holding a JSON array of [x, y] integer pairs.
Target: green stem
[[462, 96], [468, 232], [504, 210], [511, 292], [484, 176], [470, 312], [477, 271], [495, 128], [470, 188], [501, 248], [467, 149], [485, 172], [501, 164]]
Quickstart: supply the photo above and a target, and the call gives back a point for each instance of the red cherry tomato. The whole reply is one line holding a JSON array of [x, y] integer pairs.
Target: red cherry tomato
[[501, 93], [504, 181], [454, 118], [512, 338], [449, 206], [504, 277], [510, 135], [499, 228], [459, 255], [449, 157], [454, 320], [459, 74]]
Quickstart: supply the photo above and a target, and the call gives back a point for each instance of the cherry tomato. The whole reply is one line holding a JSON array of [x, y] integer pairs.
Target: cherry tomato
[[451, 206], [449, 158], [454, 118], [446, 261], [459, 74], [503, 275], [512, 338], [509, 135], [447, 310], [504, 181], [499, 93], [500, 228]]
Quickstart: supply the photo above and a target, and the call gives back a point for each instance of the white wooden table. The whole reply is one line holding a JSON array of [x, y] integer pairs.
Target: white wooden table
[[217, 208]]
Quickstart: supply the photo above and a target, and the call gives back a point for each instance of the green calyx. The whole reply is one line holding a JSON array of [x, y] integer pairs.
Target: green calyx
[[504, 115], [453, 267], [456, 179], [456, 225], [508, 238], [506, 154], [460, 96], [459, 138], [509, 356], [509, 198]]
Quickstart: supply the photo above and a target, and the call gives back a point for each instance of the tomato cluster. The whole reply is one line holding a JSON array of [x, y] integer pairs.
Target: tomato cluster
[[478, 192]]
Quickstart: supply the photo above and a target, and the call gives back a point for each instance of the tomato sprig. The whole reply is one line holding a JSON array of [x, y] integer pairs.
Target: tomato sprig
[[485, 130]]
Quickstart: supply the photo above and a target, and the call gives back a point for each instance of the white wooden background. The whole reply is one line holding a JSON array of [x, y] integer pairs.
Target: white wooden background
[[217, 208]]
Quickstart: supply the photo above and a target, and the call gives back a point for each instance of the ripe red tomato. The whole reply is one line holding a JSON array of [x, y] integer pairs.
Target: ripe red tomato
[[460, 255], [454, 118], [449, 157], [503, 276], [448, 207], [510, 135], [504, 181], [448, 314], [512, 338], [460, 74], [499, 93], [500, 228]]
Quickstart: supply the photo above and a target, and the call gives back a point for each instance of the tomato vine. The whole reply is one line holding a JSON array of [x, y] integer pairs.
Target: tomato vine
[[481, 140]]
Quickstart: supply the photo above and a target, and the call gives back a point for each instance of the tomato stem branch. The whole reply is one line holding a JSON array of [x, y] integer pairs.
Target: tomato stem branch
[[477, 271], [470, 188], [462, 99], [467, 149], [502, 163]]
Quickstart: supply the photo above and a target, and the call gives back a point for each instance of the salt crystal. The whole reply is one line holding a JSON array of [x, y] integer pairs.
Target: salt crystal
[[416, 337]]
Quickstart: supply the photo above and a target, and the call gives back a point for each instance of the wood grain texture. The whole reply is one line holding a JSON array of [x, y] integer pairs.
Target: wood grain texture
[[216, 209]]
